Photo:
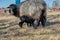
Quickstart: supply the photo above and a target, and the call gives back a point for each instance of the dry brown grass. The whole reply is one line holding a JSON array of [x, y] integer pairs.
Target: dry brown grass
[[50, 32]]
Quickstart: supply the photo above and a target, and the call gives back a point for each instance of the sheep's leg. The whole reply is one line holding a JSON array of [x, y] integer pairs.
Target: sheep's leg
[[43, 21]]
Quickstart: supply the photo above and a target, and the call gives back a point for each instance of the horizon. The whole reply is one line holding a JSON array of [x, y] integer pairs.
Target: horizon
[[4, 4]]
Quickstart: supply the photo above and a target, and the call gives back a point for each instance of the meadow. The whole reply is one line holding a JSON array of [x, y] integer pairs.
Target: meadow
[[10, 30]]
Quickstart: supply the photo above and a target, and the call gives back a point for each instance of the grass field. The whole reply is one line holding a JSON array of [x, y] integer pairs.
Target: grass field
[[10, 30]]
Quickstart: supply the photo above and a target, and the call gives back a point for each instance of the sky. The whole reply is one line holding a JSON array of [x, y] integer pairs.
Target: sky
[[6, 3]]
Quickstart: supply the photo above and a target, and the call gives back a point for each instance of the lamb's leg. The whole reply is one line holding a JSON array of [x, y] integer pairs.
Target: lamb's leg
[[21, 24], [29, 24]]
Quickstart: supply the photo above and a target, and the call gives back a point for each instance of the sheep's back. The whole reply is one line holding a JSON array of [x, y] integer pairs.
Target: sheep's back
[[31, 8]]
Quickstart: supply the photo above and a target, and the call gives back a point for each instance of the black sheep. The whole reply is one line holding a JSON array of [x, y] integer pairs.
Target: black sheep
[[25, 15], [26, 19], [14, 8]]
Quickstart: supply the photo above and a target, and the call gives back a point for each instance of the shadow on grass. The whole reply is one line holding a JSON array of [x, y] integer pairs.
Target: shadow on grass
[[52, 23], [52, 17]]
